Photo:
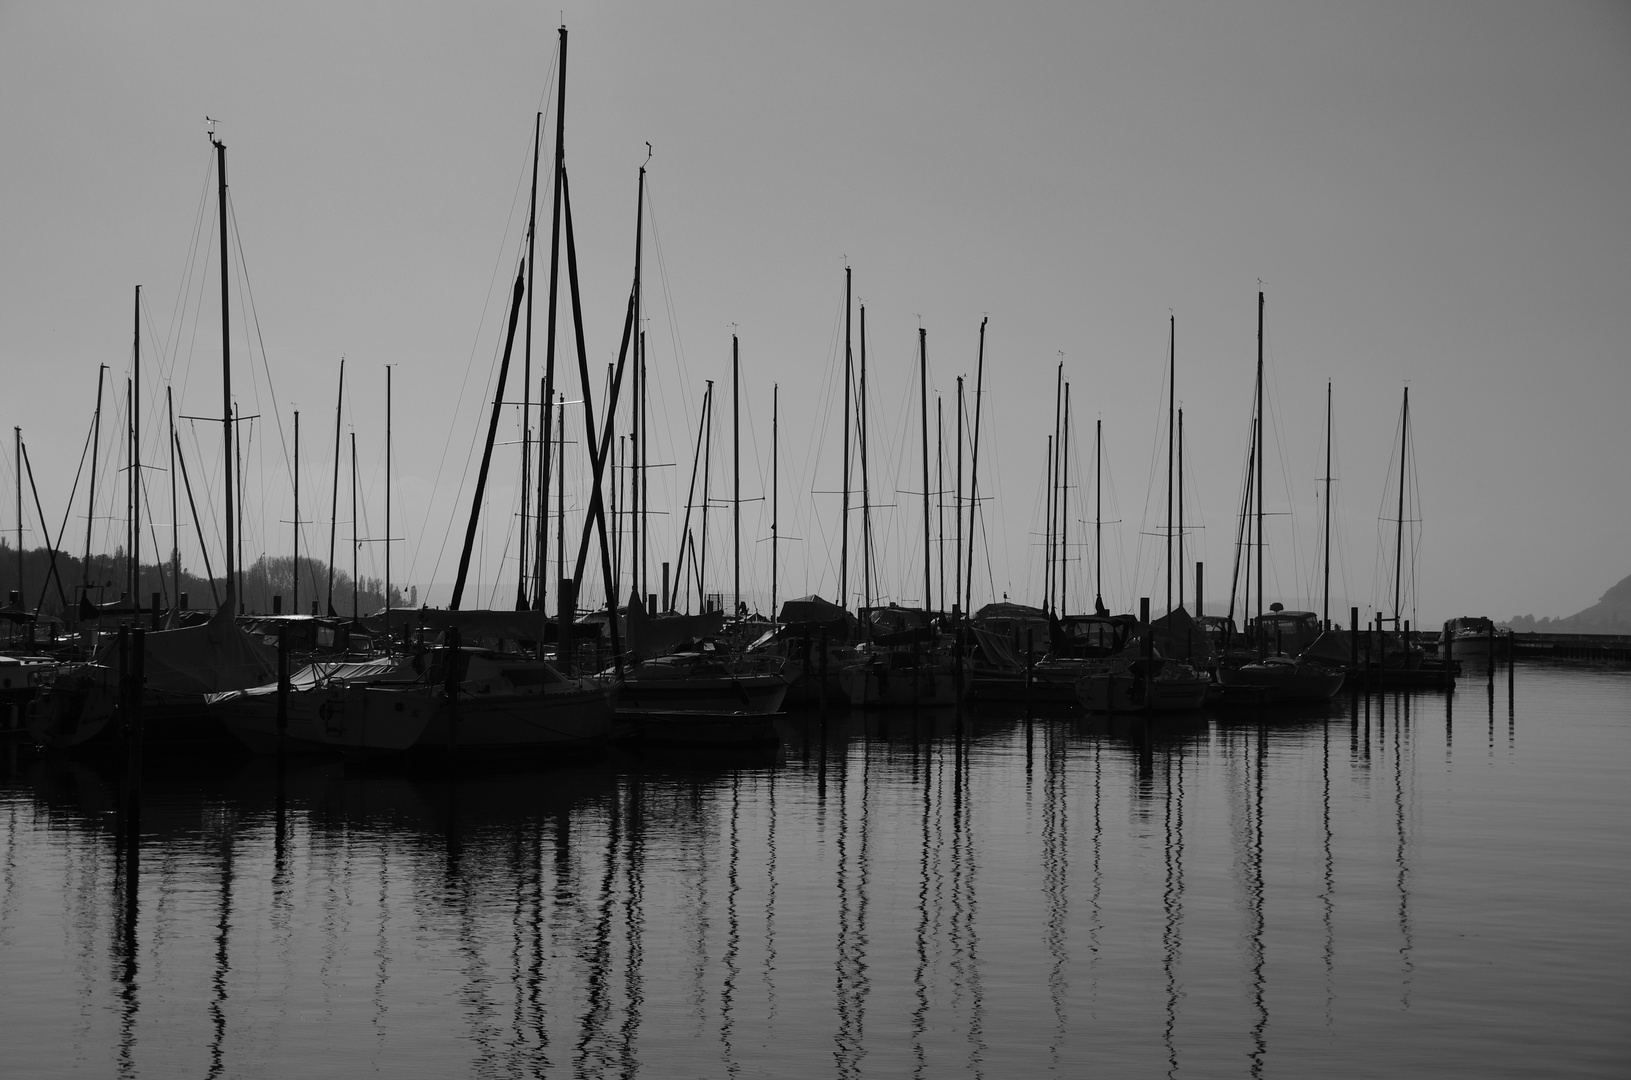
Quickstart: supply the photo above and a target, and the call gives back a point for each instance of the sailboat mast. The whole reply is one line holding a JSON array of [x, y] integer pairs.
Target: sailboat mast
[[974, 469], [545, 445], [1172, 404], [226, 375], [637, 550], [843, 528], [957, 570], [487, 450], [1325, 603], [17, 457], [355, 613], [736, 474], [775, 493], [1258, 451], [1098, 515], [334, 499], [135, 463], [387, 501], [175, 515], [707, 477], [866, 482], [940, 491], [90, 506], [1047, 533], [521, 600], [1053, 486], [1398, 541], [923, 410], [294, 598], [1181, 508], [1064, 511]]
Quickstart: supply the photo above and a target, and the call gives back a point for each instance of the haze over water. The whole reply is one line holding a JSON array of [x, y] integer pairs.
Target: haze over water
[[1397, 888]]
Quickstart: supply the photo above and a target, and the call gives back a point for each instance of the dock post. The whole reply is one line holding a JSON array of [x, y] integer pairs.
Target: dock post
[[1447, 652], [1490, 638], [1030, 663], [567, 598], [1353, 647]]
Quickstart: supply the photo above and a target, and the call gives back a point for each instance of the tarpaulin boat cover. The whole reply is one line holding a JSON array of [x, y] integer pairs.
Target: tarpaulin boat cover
[[203, 659], [812, 610], [654, 635], [1181, 638]]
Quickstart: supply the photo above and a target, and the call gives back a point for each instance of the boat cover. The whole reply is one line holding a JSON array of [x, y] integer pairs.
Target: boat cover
[[203, 659]]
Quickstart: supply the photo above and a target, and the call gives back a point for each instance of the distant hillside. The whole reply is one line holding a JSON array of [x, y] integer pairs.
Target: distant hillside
[[1611, 614]]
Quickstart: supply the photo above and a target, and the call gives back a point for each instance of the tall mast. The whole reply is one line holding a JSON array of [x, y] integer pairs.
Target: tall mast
[[17, 452], [135, 462], [560, 486], [1098, 515], [736, 472], [637, 550], [334, 500], [1047, 533], [1053, 488], [175, 514], [90, 506], [355, 614], [923, 409], [294, 596], [238, 512], [521, 600], [866, 483], [387, 501], [1172, 405], [226, 377], [1398, 542], [1258, 442], [843, 528], [1325, 603], [775, 491], [974, 470], [545, 445], [940, 491], [487, 450], [707, 476], [1181, 508], [1064, 511], [957, 572]]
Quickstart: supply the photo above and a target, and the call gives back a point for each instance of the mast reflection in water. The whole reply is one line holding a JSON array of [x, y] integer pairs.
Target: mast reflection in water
[[1346, 892]]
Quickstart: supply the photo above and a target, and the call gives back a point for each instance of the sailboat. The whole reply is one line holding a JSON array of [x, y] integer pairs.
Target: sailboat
[[183, 666], [1142, 677], [1283, 675], [906, 660]]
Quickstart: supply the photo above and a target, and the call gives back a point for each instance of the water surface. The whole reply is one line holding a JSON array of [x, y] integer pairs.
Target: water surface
[[1377, 887]]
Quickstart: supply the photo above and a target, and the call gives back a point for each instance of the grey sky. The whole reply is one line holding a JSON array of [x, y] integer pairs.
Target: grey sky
[[1430, 193]]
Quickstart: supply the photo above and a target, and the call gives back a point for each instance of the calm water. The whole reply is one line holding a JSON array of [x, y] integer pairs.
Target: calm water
[[1405, 889]]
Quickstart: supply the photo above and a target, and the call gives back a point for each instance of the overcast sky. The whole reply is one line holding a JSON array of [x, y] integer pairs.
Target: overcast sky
[[1431, 195]]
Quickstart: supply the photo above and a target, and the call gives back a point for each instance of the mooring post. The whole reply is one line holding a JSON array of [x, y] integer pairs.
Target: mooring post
[[1354, 671], [1490, 641]]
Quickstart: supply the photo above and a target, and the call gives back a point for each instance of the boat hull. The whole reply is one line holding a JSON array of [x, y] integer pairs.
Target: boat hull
[[344, 720], [763, 693]]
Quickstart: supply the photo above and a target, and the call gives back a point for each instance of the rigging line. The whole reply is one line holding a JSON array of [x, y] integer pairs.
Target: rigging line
[[178, 309]]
